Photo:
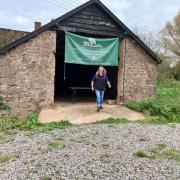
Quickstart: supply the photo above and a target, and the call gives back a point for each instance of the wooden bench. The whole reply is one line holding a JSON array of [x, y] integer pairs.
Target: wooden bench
[[74, 90]]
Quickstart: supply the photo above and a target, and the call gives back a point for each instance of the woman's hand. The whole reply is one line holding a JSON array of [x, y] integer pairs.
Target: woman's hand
[[109, 85], [92, 85]]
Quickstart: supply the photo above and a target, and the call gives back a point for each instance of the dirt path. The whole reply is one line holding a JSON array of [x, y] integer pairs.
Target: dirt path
[[81, 112]]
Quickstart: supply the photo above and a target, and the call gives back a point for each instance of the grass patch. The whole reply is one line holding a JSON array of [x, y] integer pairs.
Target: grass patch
[[154, 151], [165, 107], [8, 123], [46, 178], [172, 154], [55, 144], [152, 154], [2, 136], [113, 121], [172, 125], [141, 154], [54, 125], [4, 159], [159, 151], [143, 139], [161, 146]]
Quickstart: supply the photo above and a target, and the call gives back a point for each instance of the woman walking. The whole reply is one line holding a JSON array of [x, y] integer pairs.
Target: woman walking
[[98, 84]]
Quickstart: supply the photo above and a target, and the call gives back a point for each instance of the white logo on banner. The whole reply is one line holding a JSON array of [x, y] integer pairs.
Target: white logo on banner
[[91, 43]]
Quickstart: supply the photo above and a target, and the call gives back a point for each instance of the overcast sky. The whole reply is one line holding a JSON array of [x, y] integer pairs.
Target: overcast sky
[[21, 14]]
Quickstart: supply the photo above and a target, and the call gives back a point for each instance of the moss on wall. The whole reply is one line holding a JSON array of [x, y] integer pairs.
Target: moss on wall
[[7, 36]]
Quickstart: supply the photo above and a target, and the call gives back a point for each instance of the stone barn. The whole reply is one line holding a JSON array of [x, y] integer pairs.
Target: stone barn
[[32, 68]]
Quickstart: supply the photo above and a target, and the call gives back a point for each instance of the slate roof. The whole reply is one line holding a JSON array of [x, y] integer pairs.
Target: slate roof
[[8, 36]]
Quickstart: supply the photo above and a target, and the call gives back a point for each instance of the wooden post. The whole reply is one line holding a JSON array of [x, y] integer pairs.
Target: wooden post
[[121, 74]]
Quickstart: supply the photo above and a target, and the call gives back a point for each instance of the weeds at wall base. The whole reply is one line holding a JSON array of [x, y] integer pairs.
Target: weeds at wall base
[[9, 124], [165, 107], [4, 105]]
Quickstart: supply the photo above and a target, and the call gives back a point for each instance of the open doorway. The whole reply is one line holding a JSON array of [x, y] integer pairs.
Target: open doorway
[[75, 75]]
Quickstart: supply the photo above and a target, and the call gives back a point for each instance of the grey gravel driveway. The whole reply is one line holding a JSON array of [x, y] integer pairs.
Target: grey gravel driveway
[[94, 152]]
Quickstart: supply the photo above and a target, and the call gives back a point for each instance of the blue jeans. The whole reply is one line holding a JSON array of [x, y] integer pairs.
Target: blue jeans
[[99, 97]]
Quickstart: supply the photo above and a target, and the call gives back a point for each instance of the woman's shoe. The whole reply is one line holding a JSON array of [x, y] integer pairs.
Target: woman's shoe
[[101, 107], [98, 109]]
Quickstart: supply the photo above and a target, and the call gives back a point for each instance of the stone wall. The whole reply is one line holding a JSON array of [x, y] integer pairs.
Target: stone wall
[[137, 72], [27, 74]]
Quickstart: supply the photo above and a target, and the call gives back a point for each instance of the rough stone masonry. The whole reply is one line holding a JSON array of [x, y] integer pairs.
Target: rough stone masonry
[[27, 74], [137, 74]]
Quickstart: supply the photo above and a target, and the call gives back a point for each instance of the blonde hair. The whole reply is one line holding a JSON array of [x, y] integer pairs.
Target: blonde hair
[[104, 70]]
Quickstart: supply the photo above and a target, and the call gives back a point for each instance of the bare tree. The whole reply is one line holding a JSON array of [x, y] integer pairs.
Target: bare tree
[[149, 37], [170, 36], [152, 39]]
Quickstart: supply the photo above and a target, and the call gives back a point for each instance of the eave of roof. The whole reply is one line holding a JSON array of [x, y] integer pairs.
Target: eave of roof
[[70, 13]]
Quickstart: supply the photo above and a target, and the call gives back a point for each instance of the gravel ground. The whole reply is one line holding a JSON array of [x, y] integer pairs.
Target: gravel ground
[[91, 152]]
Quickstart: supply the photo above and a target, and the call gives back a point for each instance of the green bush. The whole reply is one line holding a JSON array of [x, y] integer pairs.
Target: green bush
[[165, 107], [31, 120]]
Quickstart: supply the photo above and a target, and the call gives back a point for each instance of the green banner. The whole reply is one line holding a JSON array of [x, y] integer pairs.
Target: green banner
[[91, 51]]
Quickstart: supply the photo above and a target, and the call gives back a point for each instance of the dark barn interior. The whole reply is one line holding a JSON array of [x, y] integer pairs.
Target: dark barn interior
[[75, 75], [91, 21]]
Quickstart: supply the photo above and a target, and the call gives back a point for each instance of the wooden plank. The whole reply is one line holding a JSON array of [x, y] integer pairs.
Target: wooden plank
[[93, 32], [66, 28], [93, 13], [80, 88], [90, 27], [92, 22], [80, 15]]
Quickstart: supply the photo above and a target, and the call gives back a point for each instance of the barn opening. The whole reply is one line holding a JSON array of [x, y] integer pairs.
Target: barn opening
[[75, 75]]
